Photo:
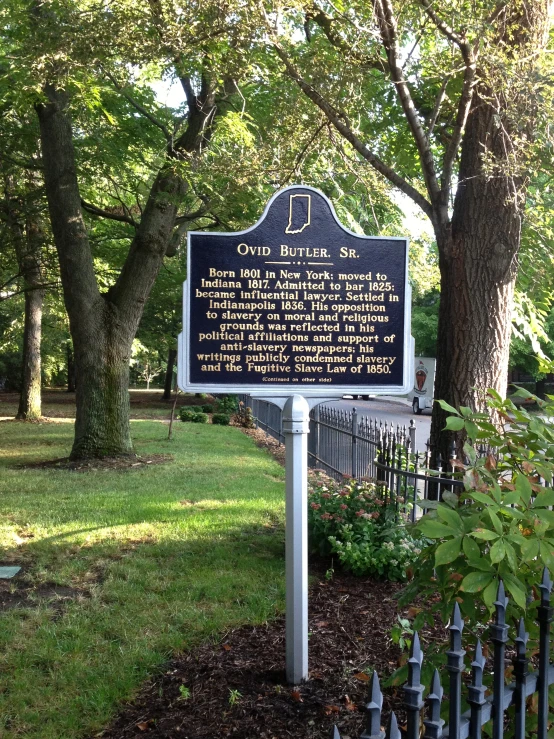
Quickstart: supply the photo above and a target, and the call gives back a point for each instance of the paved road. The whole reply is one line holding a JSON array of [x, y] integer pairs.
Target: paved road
[[395, 411]]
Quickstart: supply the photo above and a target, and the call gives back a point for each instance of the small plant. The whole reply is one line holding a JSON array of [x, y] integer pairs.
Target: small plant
[[184, 692], [234, 696], [363, 524], [221, 419], [227, 403], [192, 415], [207, 408], [243, 417]]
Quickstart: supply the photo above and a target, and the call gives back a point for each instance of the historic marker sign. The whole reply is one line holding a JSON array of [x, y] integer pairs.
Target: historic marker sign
[[297, 303]]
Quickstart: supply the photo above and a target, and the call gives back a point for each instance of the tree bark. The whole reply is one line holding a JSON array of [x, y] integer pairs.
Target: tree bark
[[70, 368], [30, 399], [168, 381], [27, 241]]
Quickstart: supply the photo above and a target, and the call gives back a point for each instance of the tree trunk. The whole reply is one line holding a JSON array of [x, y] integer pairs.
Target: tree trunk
[[102, 325], [478, 251], [168, 382], [30, 408], [478, 265], [70, 368], [28, 239], [102, 396]]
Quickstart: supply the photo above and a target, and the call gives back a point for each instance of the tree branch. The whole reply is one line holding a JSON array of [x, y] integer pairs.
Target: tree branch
[[95, 211], [335, 118], [464, 105], [387, 25], [140, 108]]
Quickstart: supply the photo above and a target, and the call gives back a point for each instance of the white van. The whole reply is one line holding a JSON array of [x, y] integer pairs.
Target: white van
[[424, 384]]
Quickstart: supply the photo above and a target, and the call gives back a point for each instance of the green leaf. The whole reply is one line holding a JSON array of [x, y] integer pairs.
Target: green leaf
[[434, 529], [495, 522], [516, 589], [450, 499], [448, 551], [472, 430], [471, 548], [481, 564], [511, 556], [446, 407], [454, 423], [523, 486], [545, 498], [489, 593], [498, 551], [476, 581], [481, 497], [486, 534], [450, 517], [530, 550], [512, 498]]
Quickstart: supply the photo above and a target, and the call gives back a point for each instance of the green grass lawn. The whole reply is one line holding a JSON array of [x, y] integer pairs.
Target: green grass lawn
[[153, 559]]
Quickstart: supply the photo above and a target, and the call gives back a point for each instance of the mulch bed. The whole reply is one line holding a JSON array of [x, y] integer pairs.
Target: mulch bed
[[196, 696]]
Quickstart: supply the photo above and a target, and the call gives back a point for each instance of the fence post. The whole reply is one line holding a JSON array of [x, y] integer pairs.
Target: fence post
[[433, 725], [544, 617], [373, 710], [354, 461], [413, 690], [316, 435], [499, 637], [412, 432], [520, 663], [476, 693], [455, 667]]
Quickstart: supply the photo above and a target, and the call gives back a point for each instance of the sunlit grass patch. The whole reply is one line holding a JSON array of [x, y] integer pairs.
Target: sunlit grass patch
[[121, 568]]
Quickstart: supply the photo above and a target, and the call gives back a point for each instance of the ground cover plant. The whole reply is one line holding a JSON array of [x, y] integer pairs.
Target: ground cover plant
[[121, 568]]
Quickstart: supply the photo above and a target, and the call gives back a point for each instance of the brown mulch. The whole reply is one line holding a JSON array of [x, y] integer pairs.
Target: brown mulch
[[104, 463], [237, 687]]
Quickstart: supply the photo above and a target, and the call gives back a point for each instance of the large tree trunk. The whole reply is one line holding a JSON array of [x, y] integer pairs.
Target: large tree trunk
[[102, 396], [168, 382], [478, 252]]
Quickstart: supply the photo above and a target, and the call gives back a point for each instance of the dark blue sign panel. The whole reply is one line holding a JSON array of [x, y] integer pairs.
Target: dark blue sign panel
[[296, 303]]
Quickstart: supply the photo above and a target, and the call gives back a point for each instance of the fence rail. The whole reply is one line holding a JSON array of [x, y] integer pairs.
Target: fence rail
[[345, 443], [482, 708]]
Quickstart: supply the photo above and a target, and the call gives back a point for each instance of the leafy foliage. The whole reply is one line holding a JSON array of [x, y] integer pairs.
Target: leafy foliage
[[502, 525], [360, 523]]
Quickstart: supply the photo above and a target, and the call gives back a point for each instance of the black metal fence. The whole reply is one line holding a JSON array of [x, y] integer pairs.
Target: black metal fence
[[344, 443], [483, 708]]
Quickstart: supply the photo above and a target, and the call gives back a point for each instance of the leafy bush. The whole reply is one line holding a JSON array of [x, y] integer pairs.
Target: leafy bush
[[360, 523], [192, 415], [243, 417], [207, 408], [227, 403], [221, 419], [501, 525]]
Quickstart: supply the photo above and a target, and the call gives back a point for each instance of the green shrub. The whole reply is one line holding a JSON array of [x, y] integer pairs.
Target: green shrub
[[221, 419], [227, 403], [355, 521], [501, 525], [206, 408], [192, 415]]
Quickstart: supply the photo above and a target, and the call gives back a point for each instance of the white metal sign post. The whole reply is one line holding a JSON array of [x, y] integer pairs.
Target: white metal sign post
[[296, 310], [296, 422]]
